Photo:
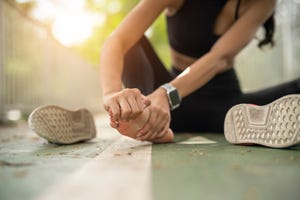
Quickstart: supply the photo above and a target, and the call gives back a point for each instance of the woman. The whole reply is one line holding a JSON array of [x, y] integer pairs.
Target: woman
[[205, 36]]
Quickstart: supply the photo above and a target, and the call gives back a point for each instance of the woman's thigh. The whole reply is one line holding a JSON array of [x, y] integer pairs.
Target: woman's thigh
[[205, 111], [270, 94], [143, 69]]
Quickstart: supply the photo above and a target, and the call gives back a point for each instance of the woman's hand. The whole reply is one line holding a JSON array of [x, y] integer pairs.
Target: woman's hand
[[160, 117], [126, 104], [130, 128]]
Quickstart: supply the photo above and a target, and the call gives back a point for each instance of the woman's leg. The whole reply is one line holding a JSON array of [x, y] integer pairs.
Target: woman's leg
[[143, 68], [275, 124], [268, 95], [205, 109]]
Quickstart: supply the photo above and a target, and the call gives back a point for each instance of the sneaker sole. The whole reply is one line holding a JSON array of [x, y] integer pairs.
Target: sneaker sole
[[274, 125], [62, 126]]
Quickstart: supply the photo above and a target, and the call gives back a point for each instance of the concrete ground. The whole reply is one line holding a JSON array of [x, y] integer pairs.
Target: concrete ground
[[195, 166]]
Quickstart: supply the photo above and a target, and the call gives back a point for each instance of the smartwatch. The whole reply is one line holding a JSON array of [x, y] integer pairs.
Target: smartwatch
[[173, 95]]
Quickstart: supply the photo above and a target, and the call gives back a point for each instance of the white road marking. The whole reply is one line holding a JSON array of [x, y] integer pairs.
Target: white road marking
[[197, 140], [122, 171]]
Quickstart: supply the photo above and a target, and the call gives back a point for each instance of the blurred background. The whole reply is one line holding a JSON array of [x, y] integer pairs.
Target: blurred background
[[50, 49]]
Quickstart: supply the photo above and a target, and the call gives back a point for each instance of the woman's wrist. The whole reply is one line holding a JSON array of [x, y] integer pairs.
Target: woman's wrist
[[107, 92], [173, 96], [160, 96]]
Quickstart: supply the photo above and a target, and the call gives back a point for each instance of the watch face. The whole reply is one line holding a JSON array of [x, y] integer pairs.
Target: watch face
[[173, 96], [175, 99]]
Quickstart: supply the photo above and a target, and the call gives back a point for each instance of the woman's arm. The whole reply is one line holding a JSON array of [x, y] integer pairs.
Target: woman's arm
[[226, 48], [218, 59], [126, 104]]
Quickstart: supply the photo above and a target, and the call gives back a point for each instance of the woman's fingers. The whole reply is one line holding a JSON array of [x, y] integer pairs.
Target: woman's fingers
[[126, 104], [114, 124], [145, 101], [136, 108], [163, 132], [157, 123], [125, 109], [160, 133], [114, 108]]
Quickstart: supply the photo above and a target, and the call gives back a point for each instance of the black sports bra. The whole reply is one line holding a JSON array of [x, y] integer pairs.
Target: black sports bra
[[191, 29]]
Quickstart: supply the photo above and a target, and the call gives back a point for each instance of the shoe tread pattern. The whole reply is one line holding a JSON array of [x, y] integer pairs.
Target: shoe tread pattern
[[281, 129], [57, 125]]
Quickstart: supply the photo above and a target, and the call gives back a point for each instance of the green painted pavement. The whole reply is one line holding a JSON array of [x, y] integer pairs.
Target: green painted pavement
[[29, 165], [224, 171]]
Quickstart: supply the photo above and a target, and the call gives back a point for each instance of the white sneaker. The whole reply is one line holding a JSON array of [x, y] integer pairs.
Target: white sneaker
[[274, 125], [62, 126]]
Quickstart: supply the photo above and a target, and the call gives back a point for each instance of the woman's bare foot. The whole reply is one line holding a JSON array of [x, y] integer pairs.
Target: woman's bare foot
[[131, 128]]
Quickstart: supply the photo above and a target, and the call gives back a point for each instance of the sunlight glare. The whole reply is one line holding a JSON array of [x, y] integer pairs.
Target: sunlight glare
[[99, 19], [114, 7], [23, 1], [14, 115], [71, 23], [44, 11], [100, 2], [71, 29], [149, 32]]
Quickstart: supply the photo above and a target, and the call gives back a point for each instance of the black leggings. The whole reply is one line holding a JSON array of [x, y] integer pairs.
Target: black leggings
[[204, 110]]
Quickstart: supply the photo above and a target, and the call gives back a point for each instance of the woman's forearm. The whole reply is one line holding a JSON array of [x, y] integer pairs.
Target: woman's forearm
[[111, 66], [199, 73]]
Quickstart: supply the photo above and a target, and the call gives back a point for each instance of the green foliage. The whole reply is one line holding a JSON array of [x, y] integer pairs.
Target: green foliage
[[92, 47], [113, 12], [159, 40]]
